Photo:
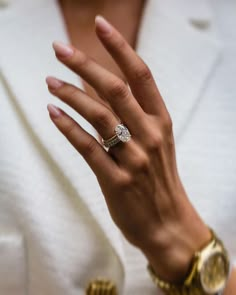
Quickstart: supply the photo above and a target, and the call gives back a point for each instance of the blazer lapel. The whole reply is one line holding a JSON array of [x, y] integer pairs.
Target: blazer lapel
[[25, 60], [177, 41], [180, 57]]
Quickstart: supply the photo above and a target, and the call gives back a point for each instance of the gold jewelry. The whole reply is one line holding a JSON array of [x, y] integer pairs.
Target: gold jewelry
[[101, 286], [208, 275], [122, 134]]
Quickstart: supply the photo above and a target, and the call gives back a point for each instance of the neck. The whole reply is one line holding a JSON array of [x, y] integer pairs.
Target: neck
[[93, 3], [84, 11]]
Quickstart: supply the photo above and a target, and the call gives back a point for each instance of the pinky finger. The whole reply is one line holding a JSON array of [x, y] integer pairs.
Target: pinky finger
[[97, 158]]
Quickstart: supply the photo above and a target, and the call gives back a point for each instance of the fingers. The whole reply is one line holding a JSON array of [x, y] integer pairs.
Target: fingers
[[97, 114], [97, 158], [105, 83], [136, 71]]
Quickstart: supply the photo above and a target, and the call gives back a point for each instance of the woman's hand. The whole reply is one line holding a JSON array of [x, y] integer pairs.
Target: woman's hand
[[139, 179]]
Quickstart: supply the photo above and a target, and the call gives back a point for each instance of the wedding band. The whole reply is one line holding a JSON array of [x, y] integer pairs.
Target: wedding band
[[122, 134]]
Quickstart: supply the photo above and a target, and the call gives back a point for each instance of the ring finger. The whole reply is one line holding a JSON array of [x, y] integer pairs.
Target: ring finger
[[97, 114]]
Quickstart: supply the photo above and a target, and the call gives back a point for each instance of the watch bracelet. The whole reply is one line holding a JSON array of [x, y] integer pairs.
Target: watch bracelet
[[170, 289], [177, 289]]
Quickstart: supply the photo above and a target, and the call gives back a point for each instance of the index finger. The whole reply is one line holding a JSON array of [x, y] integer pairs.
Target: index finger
[[136, 71]]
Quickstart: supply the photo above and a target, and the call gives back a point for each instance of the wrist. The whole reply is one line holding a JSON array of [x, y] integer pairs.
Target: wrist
[[171, 255]]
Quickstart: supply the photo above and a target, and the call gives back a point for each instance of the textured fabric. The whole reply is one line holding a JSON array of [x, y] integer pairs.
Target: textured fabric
[[54, 220], [12, 271]]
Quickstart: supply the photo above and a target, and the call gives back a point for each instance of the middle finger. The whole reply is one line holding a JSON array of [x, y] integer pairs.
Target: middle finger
[[108, 85]]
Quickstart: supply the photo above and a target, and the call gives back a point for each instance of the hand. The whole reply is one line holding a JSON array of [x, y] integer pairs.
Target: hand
[[139, 179]]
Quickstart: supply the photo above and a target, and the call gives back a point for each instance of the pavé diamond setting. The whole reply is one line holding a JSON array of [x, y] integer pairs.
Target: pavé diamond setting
[[122, 134]]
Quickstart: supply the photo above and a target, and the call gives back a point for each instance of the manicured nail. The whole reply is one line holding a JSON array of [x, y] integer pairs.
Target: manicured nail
[[53, 83], [53, 110], [103, 26], [62, 49]]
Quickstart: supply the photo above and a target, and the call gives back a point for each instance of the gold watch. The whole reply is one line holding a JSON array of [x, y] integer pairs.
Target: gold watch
[[208, 273]]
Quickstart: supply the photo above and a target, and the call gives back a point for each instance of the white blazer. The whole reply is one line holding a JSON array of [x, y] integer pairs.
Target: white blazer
[[56, 234]]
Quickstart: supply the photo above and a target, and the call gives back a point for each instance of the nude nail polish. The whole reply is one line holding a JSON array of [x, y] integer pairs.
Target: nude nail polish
[[53, 110], [53, 83], [62, 50], [102, 25]]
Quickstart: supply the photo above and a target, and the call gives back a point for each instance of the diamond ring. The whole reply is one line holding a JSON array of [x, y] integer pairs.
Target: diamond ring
[[122, 134]]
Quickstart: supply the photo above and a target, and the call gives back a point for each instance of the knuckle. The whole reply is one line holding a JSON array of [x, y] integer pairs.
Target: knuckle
[[155, 143], [89, 148], [69, 128], [124, 182], [117, 89], [81, 59], [102, 119], [143, 73], [70, 91], [167, 123], [142, 164], [120, 44]]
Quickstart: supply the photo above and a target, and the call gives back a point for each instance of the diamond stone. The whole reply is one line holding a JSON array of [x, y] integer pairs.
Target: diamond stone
[[122, 133]]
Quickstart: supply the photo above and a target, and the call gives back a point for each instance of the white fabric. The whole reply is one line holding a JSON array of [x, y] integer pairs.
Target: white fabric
[[12, 271], [54, 220]]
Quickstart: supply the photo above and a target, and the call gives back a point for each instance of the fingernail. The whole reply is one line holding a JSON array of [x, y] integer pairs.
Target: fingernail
[[62, 49], [54, 111], [53, 83], [103, 26]]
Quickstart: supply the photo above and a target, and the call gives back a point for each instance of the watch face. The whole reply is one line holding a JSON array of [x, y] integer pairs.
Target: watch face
[[214, 273]]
